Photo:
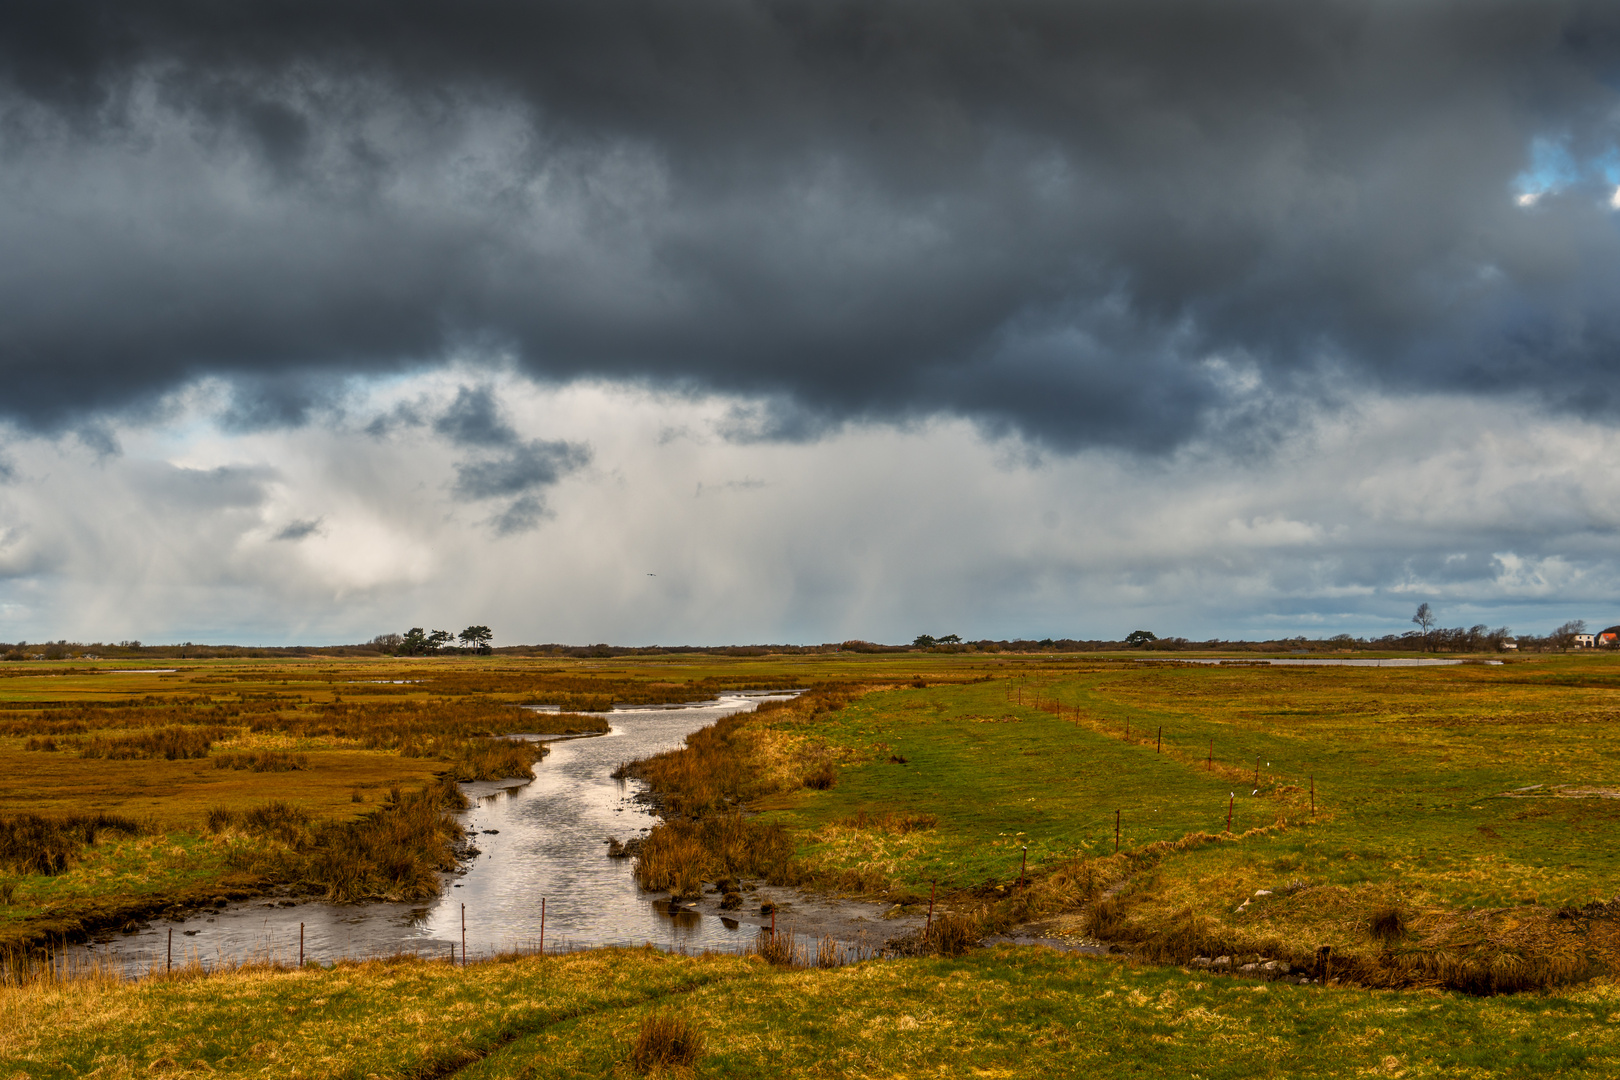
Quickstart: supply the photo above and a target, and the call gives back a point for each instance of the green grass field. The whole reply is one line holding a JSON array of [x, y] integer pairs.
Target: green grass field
[[1478, 802], [1003, 1012]]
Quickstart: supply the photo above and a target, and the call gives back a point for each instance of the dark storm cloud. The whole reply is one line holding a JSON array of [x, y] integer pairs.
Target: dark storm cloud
[[518, 473], [299, 530], [525, 467], [473, 419], [1118, 223]]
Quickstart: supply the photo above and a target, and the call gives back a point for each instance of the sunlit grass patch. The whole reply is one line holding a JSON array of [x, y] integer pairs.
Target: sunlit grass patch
[[389, 1017], [1034, 1013], [1431, 790]]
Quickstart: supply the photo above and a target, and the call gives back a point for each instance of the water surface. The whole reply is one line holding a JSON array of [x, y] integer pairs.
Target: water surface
[[544, 839]]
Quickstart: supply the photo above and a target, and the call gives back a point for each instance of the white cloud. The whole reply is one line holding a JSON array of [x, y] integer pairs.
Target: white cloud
[[1493, 512]]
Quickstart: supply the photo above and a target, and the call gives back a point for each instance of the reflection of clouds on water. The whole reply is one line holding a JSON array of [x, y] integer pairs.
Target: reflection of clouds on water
[[540, 839]]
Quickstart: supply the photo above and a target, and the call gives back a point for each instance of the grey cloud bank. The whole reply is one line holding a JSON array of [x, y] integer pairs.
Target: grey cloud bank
[[843, 319], [1122, 224]]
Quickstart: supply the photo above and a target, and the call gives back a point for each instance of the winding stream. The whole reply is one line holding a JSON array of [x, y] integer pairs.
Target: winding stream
[[544, 838]]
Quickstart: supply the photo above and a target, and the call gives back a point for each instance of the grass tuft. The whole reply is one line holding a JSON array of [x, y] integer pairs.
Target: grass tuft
[[680, 855], [665, 1041], [262, 761], [1387, 924], [821, 778], [31, 844]]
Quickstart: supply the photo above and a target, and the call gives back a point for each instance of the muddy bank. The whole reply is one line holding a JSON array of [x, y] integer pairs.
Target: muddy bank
[[865, 926]]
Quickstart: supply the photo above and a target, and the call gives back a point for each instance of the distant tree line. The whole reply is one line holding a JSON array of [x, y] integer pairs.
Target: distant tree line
[[186, 650], [478, 639]]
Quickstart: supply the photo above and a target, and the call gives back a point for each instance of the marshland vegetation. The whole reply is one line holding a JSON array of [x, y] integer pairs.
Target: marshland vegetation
[[329, 778], [1446, 833]]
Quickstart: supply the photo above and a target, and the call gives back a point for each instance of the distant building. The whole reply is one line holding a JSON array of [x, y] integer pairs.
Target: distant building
[[1510, 646], [1609, 638], [1585, 641]]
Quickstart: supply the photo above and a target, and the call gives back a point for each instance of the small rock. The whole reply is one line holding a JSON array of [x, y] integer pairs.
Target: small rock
[[1262, 892], [1199, 962], [1249, 969], [1221, 962], [1277, 967]]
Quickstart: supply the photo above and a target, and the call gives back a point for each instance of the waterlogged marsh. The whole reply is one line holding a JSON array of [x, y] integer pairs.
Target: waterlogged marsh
[[540, 839], [1439, 788], [248, 776]]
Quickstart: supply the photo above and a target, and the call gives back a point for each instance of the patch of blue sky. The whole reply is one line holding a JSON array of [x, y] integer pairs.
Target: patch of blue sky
[[1554, 167]]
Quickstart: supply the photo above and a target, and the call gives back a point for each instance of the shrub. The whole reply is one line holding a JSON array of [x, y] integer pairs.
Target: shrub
[[31, 844], [775, 949], [680, 855], [397, 853], [278, 820], [665, 1041], [952, 934], [891, 822], [821, 778], [262, 761], [172, 743]]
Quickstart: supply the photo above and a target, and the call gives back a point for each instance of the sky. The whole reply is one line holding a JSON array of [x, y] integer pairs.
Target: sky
[[727, 321]]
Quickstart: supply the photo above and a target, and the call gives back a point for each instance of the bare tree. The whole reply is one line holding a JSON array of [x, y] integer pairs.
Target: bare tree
[[1425, 620], [1564, 636]]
